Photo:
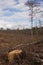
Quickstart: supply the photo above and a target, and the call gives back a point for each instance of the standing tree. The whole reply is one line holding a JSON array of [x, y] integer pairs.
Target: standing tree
[[31, 4]]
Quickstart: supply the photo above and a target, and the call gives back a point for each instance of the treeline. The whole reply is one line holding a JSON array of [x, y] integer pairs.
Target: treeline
[[23, 31]]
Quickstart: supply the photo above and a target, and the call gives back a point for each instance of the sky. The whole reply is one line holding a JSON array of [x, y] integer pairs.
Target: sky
[[15, 14]]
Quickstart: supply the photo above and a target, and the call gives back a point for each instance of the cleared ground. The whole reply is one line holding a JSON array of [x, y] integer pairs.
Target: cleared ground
[[21, 39]]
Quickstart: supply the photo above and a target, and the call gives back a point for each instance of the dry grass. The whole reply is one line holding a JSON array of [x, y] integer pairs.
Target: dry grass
[[10, 39]]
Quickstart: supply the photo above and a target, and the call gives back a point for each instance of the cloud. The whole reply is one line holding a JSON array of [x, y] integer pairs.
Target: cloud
[[14, 25], [22, 1], [14, 12]]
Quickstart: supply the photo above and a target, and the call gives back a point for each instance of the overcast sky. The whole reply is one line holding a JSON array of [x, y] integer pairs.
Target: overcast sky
[[15, 14]]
